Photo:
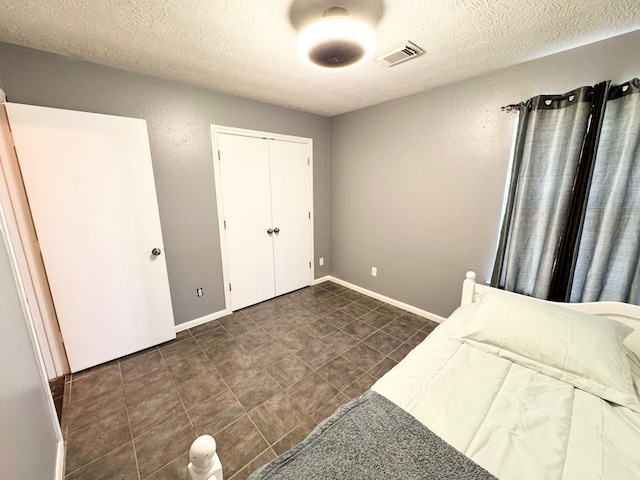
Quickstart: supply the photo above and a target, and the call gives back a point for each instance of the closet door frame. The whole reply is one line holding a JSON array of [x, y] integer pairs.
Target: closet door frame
[[222, 129]]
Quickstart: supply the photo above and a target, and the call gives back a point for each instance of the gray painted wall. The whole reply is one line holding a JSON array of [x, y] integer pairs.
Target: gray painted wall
[[417, 183], [28, 441], [414, 186], [178, 118]]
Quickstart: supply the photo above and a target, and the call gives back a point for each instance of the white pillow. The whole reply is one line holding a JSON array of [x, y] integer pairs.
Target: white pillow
[[583, 350], [632, 342]]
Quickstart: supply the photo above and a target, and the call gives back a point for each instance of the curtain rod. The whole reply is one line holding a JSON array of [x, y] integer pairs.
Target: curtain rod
[[512, 107]]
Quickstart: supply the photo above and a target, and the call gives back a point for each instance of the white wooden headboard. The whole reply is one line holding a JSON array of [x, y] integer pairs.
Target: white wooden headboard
[[623, 312]]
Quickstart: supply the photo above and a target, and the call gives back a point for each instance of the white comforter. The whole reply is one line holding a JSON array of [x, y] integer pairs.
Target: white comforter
[[513, 421]]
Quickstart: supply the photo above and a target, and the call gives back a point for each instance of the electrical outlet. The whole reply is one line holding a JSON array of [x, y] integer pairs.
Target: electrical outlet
[[374, 272], [199, 292], [321, 261]]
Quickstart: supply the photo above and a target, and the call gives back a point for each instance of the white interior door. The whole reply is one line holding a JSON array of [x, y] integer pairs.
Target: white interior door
[[246, 196], [291, 207], [89, 182]]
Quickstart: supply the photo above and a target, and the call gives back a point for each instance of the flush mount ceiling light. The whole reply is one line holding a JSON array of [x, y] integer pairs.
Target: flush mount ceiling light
[[336, 41]]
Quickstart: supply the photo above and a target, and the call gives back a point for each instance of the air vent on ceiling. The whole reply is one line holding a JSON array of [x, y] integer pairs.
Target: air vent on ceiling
[[400, 53]]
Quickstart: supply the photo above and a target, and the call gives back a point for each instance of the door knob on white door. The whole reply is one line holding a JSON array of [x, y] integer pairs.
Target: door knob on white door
[[156, 251], [276, 230], [270, 232]]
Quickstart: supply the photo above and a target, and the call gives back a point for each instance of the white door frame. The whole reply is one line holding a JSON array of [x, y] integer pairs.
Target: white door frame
[[215, 130], [6, 241], [29, 262]]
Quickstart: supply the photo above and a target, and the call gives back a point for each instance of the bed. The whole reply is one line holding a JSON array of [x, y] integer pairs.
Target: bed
[[512, 420], [522, 388]]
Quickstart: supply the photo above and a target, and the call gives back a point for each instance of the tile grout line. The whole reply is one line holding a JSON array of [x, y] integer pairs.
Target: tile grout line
[[241, 406], [304, 300], [246, 412], [208, 398], [172, 460], [65, 433], [255, 458], [167, 464], [252, 423], [340, 390], [126, 408], [176, 386], [94, 461], [114, 449], [270, 446]]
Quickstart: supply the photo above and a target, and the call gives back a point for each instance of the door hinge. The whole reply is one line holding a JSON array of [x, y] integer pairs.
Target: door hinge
[[225, 224], [309, 215], [218, 155], [309, 264], [229, 287], [308, 161]]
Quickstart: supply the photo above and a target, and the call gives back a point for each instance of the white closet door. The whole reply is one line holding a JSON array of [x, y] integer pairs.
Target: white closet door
[[291, 207], [244, 172], [90, 186]]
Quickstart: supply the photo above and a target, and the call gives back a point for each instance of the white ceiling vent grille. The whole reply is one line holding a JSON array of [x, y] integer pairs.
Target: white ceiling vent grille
[[400, 53]]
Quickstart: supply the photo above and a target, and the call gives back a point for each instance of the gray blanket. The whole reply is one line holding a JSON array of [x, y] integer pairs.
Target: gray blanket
[[371, 438]]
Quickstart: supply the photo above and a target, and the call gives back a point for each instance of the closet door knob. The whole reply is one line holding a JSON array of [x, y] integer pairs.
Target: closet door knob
[[270, 232], [276, 230], [156, 251]]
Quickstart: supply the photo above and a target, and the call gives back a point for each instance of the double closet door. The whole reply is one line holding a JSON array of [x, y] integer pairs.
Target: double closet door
[[264, 199]]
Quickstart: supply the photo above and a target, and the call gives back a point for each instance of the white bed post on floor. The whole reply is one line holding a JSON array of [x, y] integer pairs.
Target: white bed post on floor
[[205, 463], [468, 288]]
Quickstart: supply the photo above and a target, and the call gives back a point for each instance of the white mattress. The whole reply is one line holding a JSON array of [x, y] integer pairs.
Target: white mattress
[[514, 422]]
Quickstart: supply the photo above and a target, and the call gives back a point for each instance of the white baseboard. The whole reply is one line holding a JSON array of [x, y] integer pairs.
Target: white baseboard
[[369, 293], [60, 460], [377, 296], [201, 320]]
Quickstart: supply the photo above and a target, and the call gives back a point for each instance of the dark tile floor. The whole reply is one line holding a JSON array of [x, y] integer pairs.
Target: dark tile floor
[[57, 392], [259, 380]]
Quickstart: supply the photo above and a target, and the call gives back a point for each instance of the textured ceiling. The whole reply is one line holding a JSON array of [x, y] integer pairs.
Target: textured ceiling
[[248, 47]]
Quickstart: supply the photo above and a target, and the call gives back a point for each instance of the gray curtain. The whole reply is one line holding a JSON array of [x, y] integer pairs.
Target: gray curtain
[[547, 152], [608, 261]]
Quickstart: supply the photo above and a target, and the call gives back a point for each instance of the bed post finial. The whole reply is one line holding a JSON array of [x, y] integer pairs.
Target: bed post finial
[[468, 288], [205, 463]]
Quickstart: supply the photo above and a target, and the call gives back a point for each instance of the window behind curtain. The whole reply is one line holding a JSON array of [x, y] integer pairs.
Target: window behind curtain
[[547, 154], [608, 262], [603, 253]]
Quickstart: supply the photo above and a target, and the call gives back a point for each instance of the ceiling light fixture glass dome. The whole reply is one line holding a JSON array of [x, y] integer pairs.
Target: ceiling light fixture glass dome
[[336, 41]]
